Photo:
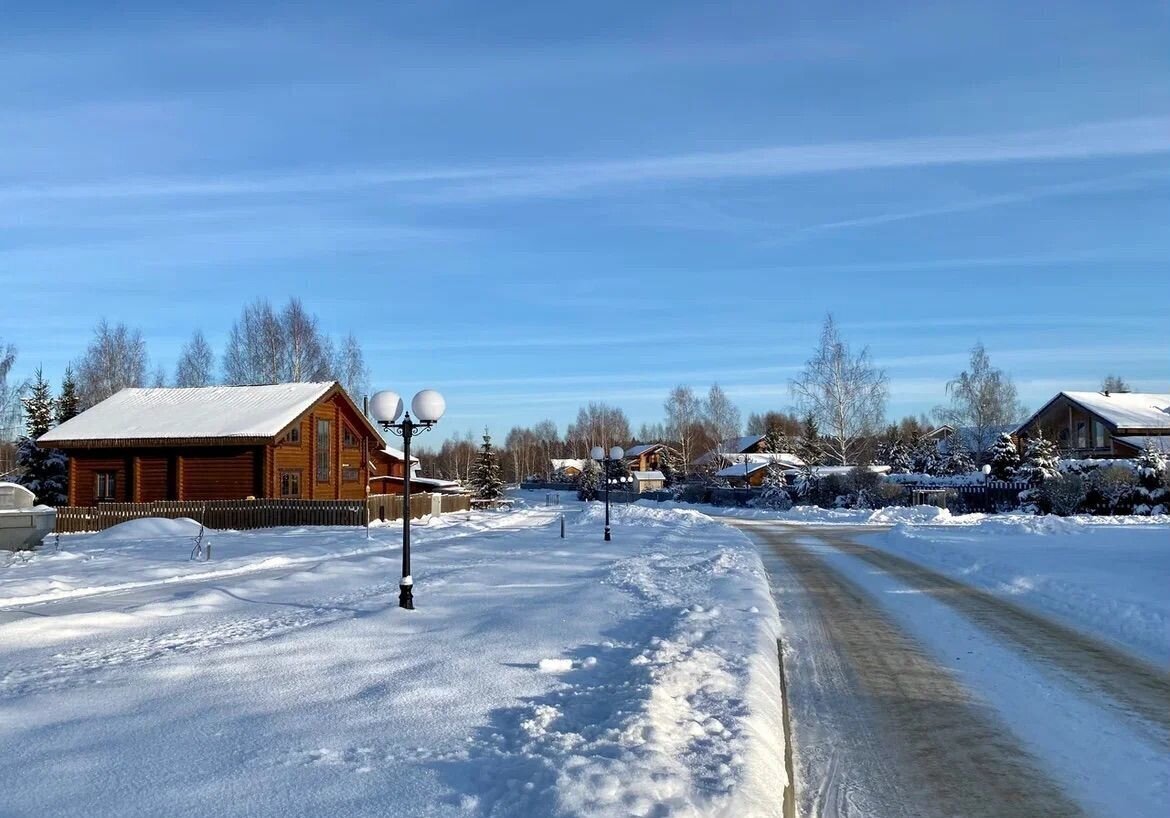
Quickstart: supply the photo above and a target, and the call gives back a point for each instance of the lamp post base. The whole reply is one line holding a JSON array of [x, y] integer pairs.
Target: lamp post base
[[607, 537], [406, 597]]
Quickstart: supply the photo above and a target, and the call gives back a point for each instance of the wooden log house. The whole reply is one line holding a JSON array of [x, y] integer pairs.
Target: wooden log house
[[292, 440]]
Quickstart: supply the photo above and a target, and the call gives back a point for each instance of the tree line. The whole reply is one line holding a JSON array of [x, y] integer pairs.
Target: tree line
[[837, 416]]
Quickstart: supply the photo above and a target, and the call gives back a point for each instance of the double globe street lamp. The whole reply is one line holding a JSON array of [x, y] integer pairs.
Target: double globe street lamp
[[386, 407], [607, 459]]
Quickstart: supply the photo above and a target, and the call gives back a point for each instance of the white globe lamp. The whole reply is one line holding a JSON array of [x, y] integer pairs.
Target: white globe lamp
[[597, 453], [386, 407], [617, 453], [428, 406]]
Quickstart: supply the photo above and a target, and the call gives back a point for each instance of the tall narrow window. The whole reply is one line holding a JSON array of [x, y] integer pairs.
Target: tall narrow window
[[107, 485], [1099, 439], [324, 455], [1082, 435], [290, 484]]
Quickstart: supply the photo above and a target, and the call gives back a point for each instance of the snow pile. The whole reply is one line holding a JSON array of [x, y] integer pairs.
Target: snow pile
[[149, 528], [537, 676]]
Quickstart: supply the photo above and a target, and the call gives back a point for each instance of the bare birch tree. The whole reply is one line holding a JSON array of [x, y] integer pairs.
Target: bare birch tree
[[196, 363], [114, 360], [350, 368], [269, 347], [983, 402], [684, 414], [722, 415], [844, 393]]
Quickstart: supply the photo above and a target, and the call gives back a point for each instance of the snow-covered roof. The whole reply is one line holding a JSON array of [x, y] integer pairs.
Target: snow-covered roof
[[739, 445], [823, 471], [648, 475], [398, 454], [741, 469], [1160, 443], [787, 459], [567, 463], [641, 449], [1121, 410], [191, 413]]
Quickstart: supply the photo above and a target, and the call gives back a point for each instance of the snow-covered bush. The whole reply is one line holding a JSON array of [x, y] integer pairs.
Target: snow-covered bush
[[1110, 490], [1063, 495], [890, 494]]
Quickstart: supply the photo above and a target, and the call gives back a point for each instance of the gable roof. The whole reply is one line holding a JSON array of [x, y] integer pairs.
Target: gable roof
[[641, 449], [739, 445], [398, 454], [235, 413], [741, 469], [647, 475], [1120, 410]]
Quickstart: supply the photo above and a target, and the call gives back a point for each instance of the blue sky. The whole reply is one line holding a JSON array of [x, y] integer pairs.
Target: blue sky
[[529, 206]]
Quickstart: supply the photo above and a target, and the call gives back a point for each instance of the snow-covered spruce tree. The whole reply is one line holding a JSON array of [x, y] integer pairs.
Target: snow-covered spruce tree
[[958, 459], [897, 457], [666, 466], [1041, 463], [775, 494], [44, 471], [1004, 458], [1153, 496], [588, 480], [486, 482], [808, 446], [68, 403], [926, 458]]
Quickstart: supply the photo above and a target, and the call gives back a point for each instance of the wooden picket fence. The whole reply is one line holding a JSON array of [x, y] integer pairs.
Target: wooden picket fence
[[240, 515]]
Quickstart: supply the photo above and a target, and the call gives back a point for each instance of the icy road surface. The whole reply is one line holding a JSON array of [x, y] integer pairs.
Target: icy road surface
[[915, 695]]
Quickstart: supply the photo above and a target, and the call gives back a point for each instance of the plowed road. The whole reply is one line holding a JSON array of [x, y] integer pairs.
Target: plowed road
[[884, 727]]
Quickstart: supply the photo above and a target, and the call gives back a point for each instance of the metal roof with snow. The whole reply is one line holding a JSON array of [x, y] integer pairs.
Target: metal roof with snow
[[641, 449], [648, 475], [1140, 411], [166, 415]]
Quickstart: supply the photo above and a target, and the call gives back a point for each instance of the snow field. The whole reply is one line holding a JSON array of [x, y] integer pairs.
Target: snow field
[[539, 676]]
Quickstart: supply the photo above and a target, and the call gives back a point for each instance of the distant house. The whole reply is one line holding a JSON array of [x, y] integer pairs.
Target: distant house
[[388, 474], [647, 480], [305, 440], [567, 469], [1102, 424], [749, 444], [750, 473], [645, 456]]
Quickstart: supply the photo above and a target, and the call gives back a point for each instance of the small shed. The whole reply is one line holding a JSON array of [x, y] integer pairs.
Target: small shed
[[648, 481]]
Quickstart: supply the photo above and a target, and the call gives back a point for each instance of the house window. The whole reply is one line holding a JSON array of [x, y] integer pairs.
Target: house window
[[294, 435], [290, 484], [107, 485], [348, 438], [324, 455], [1100, 441], [350, 475], [1082, 435]]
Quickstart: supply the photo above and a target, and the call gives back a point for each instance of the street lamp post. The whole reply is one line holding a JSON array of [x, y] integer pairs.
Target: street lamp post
[[601, 455], [386, 407]]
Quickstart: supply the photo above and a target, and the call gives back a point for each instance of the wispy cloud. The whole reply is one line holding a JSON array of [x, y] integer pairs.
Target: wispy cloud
[[1118, 138]]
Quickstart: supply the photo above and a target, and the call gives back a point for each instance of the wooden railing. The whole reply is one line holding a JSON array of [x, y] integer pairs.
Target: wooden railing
[[247, 514]]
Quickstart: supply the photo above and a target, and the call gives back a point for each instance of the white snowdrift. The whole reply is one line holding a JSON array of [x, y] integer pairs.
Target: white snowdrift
[[149, 528]]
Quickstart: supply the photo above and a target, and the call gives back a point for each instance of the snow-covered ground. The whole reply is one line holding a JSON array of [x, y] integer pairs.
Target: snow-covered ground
[[538, 676]]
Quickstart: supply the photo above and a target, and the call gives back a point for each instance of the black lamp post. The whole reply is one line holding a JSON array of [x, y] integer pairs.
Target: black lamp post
[[386, 407], [606, 458]]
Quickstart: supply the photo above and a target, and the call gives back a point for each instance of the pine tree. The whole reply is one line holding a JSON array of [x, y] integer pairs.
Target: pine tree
[[897, 457], [1153, 495], [666, 466], [1040, 461], [1004, 458], [958, 459], [69, 403], [43, 470], [775, 494], [588, 480], [808, 447], [926, 458], [486, 482]]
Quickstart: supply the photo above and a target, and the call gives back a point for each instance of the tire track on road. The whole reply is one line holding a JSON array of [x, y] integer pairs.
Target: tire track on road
[[924, 747]]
